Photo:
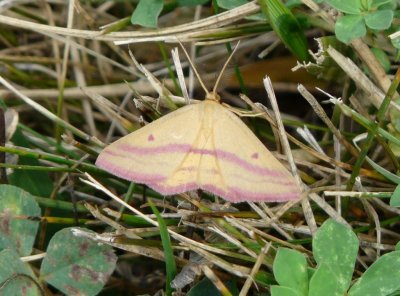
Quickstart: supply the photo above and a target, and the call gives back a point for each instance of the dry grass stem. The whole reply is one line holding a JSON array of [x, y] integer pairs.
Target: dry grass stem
[[92, 74], [250, 280]]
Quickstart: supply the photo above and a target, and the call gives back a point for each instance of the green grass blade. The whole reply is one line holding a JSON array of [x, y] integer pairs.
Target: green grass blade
[[286, 27], [371, 134], [395, 198], [365, 122], [168, 252]]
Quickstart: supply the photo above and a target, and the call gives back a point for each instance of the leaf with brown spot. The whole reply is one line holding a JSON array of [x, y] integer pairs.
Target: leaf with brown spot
[[77, 263], [16, 277], [17, 231]]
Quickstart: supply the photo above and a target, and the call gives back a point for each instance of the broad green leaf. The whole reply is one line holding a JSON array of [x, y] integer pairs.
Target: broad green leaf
[[381, 278], [286, 27], [336, 246], [379, 20], [382, 57], [191, 2], [325, 282], [17, 229], [311, 272], [378, 3], [35, 182], [147, 12], [349, 27], [397, 248], [347, 6], [283, 291], [290, 270], [206, 287], [229, 4], [168, 252], [16, 277], [77, 265]]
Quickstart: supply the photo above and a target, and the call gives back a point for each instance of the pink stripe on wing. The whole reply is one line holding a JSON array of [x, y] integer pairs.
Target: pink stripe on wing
[[128, 174], [218, 153], [233, 194], [239, 176]]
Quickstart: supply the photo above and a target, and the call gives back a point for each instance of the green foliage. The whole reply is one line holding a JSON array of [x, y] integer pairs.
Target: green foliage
[[168, 252], [395, 199], [229, 4], [191, 2], [35, 182], [78, 266], [16, 277], [295, 278], [397, 247], [74, 265], [335, 248], [147, 12], [360, 14], [381, 278], [286, 27], [382, 57], [388, 175], [324, 282], [350, 27], [15, 233], [280, 17], [283, 291], [394, 126]]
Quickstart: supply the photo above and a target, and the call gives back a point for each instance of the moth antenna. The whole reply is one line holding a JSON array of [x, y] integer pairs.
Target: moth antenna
[[223, 69], [194, 69]]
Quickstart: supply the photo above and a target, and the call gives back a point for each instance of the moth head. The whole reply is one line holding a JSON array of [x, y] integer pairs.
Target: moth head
[[213, 96]]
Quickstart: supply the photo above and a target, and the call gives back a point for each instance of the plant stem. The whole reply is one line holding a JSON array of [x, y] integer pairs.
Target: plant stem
[[380, 115], [3, 173]]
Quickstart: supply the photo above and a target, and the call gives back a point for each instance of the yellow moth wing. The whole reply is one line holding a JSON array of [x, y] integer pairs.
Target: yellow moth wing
[[154, 152], [249, 171], [200, 146]]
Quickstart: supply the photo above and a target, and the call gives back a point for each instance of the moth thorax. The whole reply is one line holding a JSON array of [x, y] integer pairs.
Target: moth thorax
[[213, 96]]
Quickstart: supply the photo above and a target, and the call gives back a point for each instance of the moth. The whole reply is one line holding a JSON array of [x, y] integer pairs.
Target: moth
[[201, 146]]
